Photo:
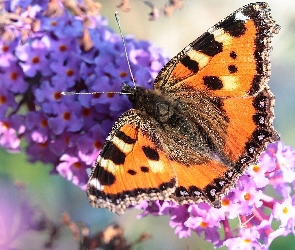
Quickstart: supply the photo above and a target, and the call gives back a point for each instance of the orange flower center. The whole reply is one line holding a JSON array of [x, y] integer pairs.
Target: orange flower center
[[5, 48], [44, 123], [204, 224], [247, 196], [43, 144], [70, 72], [97, 144], [77, 165], [285, 210], [66, 116], [96, 95], [57, 95], [225, 202], [256, 168], [86, 112], [123, 74], [2, 99], [13, 76], [63, 48], [110, 95], [35, 60], [6, 125]]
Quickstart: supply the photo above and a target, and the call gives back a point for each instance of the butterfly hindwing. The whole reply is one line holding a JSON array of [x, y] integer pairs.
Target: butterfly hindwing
[[130, 168]]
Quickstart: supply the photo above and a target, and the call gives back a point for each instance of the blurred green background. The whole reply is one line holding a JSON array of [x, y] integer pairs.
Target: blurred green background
[[54, 195]]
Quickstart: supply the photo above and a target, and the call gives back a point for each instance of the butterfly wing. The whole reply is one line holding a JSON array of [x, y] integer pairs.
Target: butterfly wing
[[230, 59], [131, 166], [220, 83]]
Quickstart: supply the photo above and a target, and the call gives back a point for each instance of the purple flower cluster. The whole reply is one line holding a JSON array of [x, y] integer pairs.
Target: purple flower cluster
[[248, 202], [47, 47]]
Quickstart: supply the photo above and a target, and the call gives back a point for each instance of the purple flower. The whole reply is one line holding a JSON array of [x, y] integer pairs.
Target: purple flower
[[6, 52], [201, 220], [6, 101], [248, 240], [259, 172], [67, 71], [13, 78], [247, 195], [72, 169], [285, 157], [48, 95], [10, 131], [16, 215], [65, 51], [285, 212], [8, 137], [61, 49], [66, 118], [33, 58], [179, 216], [37, 127]]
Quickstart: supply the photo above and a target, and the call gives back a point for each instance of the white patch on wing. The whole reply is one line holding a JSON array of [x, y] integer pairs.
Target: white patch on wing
[[96, 184], [109, 166], [241, 16], [223, 37], [229, 82], [156, 166], [199, 57], [124, 147]]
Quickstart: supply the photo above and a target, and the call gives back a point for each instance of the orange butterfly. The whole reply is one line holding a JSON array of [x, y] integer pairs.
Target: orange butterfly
[[207, 119]]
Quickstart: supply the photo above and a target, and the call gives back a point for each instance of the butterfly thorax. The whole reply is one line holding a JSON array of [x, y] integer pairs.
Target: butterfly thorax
[[179, 130], [150, 102]]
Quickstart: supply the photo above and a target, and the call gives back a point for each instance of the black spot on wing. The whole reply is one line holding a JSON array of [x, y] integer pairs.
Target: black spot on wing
[[105, 177], [211, 190], [125, 138], [113, 153], [262, 102], [233, 54], [232, 26], [151, 153], [212, 82], [144, 169], [166, 185], [260, 119], [190, 64], [207, 45], [232, 69], [131, 172]]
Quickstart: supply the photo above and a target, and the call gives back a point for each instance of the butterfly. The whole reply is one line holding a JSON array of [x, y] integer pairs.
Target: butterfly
[[208, 118]]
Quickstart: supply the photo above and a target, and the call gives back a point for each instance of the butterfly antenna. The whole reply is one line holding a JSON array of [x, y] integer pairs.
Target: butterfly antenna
[[92, 93], [125, 49]]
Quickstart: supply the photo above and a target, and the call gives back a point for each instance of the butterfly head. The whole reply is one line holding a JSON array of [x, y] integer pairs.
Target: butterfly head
[[132, 92]]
